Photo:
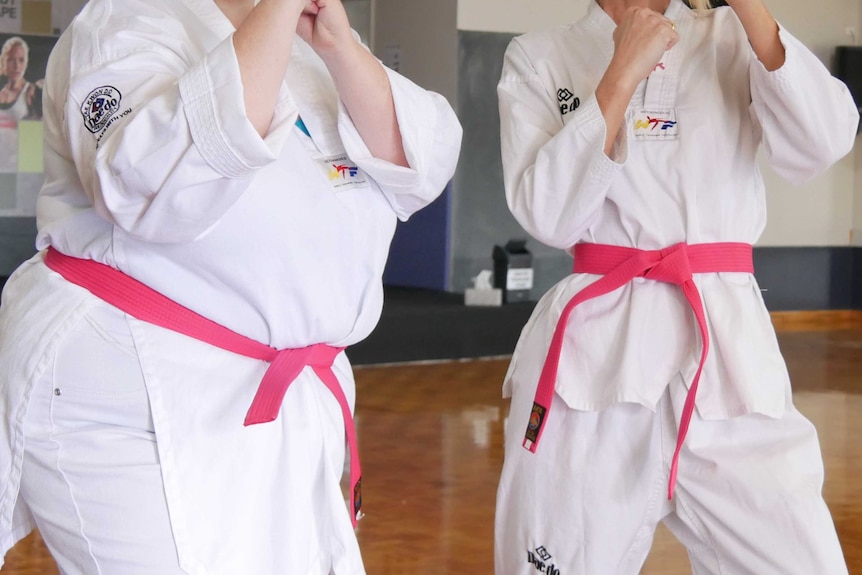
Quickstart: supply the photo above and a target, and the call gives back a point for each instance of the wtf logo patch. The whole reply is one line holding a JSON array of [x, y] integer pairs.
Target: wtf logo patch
[[656, 125]]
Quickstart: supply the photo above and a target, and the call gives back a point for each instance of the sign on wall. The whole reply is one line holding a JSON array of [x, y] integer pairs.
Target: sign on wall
[[10, 16], [37, 16]]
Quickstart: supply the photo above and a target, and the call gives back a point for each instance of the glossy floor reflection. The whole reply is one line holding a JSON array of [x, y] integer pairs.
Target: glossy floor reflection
[[432, 451]]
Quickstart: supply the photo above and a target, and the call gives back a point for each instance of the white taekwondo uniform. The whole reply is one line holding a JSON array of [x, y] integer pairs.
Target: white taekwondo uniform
[[683, 169], [153, 168]]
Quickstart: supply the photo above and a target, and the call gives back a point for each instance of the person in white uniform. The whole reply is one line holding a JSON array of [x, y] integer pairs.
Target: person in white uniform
[[221, 192], [648, 385]]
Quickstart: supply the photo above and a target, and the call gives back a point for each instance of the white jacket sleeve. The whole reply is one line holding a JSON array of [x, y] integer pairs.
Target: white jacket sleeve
[[556, 176], [163, 149], [431, 136], [807, 117]]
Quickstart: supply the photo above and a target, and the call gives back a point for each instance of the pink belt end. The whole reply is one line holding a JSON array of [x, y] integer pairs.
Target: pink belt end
[[535, 426]]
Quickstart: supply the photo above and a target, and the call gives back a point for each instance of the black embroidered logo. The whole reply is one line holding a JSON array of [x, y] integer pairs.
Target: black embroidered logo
[[568, 101], [539, 558], [99, 106]]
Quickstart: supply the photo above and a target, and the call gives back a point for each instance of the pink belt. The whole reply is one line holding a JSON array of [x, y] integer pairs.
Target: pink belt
[[619, 266], [146, 304]]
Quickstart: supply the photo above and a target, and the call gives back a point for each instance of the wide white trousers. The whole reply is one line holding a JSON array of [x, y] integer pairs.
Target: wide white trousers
[[91, 473], [748, 498], [260, 500]]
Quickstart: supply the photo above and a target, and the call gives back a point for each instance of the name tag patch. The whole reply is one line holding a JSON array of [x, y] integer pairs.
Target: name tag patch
[[656, 125], [341, 173]]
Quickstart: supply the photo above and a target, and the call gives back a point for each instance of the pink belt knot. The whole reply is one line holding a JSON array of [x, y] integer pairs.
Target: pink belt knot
[[285, 366], [618, 266], [144, 303]]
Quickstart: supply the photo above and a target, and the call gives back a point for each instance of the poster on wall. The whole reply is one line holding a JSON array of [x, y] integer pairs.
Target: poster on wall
[[23, 60]]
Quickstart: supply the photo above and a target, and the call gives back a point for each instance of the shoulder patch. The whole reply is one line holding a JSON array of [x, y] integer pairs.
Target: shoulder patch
[[99, 106]]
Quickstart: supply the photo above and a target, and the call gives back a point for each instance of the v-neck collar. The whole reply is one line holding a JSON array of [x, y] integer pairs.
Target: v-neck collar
[[211, 15], [601, 20]]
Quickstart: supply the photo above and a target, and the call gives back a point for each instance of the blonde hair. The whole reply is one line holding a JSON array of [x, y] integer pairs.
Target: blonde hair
[[7, 47], [700, 4]]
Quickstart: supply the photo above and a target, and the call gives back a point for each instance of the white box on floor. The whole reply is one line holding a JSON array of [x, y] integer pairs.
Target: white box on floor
[[483, 297]]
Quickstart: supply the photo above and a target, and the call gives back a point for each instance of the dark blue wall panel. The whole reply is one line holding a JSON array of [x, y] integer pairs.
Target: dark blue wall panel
[[419, 256], [857, 278]]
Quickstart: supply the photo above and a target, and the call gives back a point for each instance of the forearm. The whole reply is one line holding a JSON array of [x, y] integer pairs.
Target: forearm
[[613, 95], [762, 31], [263, 43], [363, 86]]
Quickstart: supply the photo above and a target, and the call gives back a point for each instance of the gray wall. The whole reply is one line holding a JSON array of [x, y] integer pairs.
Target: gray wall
[[480, 216], [17, 236], [424, 33], [809, 278]]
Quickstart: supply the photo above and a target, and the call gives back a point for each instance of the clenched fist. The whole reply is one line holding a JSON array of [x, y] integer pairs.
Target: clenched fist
[[640, 40], [324, 26]]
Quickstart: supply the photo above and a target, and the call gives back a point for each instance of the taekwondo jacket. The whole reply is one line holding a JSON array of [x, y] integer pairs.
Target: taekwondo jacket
[[683, 169]]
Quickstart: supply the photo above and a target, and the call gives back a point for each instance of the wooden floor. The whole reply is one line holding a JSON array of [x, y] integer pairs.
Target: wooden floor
[[431, 455]]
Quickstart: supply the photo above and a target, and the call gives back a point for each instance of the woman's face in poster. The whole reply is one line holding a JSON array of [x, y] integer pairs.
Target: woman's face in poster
[[15, 63]]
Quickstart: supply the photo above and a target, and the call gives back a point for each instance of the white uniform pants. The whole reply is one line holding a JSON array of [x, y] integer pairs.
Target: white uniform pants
[[91, 473], [114, 494], [748, 496], [95, 485]]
